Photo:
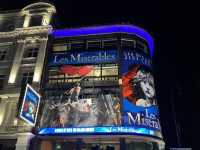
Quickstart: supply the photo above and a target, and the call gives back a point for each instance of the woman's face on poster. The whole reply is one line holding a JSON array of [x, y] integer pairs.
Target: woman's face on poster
[[148, 89], [146, 83]]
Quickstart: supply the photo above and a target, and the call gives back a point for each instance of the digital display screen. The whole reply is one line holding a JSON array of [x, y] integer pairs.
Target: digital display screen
[[75, 57], [30, 105], [97, 130], [92, 100], [139, 99], [85, 99]]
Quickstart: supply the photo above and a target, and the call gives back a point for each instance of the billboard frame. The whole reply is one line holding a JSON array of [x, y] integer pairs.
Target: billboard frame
[[37, 106]]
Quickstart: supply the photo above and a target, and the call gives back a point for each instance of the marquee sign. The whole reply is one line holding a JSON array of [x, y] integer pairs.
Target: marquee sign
[[97, 130], [96, 57]]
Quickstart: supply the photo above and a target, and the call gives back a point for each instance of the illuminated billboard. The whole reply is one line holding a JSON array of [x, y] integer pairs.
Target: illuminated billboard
[[98, 130], [93, 101], [86, 99], [76, 57], [138, 91], [30, 105]]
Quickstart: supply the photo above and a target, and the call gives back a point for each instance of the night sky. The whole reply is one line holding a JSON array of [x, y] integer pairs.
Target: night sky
[[176, 63]]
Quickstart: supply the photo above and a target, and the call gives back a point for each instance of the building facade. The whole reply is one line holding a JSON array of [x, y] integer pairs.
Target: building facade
[[23, 40], [98, 90], [96, 84]]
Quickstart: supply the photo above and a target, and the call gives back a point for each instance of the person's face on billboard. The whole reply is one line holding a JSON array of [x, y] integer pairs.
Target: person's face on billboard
[[147, 86]]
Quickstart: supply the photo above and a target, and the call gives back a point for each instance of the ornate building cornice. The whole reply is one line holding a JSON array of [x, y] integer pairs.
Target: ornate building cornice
[[10, 34], [27, 31], [34, 30]]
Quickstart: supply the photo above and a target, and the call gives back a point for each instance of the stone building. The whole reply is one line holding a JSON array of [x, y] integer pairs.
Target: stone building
[[23, 40]]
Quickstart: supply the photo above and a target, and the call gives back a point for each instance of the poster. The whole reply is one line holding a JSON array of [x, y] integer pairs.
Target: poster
[[92, 100], [84, 101], [30, 105], [138, 91]]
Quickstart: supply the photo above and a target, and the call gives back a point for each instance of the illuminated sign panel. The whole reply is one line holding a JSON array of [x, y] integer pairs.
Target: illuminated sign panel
[[98, 130], [91, 104], [30, 105], [96, 57], [91, 94], [93, 101], [139, 99], [93, 57]]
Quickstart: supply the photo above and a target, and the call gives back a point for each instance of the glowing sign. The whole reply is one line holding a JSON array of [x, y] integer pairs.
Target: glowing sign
[[93, 57], [30, 105], [139, 99], [97, 57], [97, 130]]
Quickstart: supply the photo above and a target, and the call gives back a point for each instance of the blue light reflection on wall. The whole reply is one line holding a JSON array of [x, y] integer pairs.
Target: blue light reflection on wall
[[130, 29], [95, 130]]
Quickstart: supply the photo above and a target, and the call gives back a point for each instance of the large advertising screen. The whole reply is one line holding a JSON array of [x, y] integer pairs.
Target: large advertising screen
[[30, 105], [92, 100], [89, 97], [83, 57], [139, 99]]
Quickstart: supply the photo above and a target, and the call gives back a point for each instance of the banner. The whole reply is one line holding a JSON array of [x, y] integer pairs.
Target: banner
[[85, 100], [90, 100], [29, 109], [98, 130], [83, 57], [139, 99]]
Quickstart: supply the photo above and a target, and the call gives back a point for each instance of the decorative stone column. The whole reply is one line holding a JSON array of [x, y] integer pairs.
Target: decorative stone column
[[46, 18], [27, 20], [17, 61], [40, 61], [23, 141]]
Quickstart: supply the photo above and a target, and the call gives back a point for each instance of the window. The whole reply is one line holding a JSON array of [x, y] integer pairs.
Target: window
[[31, 52], [104, 70], [7, 24], [94, 44], [27, 78], [109, 43], [110, 70], [77, 45], [2, 78], [128, 43], [61, 47], [2, 55], [35, 21], [141, 46]]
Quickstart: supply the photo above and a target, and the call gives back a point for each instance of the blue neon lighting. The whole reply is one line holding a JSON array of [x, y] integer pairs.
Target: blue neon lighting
[[96, 130], [130, 29]]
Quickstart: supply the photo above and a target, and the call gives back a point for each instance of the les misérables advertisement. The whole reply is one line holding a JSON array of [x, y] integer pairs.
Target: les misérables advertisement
[[30, 105], [139, 99], [102, 105], [85, 101]]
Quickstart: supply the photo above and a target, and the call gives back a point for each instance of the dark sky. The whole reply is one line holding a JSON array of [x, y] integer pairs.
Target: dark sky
[[177, 72]]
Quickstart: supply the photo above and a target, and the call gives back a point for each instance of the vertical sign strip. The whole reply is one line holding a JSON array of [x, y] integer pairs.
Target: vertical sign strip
[[30, 105]]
